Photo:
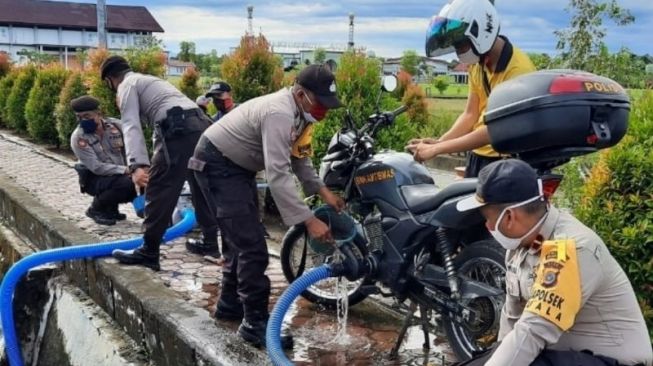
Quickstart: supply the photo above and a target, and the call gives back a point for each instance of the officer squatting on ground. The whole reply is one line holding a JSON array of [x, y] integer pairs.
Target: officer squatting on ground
[[271, 133], [177, 123], [564, 290], [103, 173]]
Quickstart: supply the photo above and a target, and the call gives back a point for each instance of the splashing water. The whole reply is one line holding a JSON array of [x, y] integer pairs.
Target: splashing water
[[342, 310]]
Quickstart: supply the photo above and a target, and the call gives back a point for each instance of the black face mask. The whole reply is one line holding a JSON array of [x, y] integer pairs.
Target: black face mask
[[219, 104], [109, 85], [88, 125]]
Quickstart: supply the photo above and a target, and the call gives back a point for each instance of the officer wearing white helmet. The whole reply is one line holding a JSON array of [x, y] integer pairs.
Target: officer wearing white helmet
[[471, 29]]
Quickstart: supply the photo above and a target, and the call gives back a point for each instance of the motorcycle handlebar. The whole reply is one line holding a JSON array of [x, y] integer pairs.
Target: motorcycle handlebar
[[399, 111]]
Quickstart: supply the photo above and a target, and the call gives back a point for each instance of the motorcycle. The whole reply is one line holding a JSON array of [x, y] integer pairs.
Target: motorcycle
[[412, 243]]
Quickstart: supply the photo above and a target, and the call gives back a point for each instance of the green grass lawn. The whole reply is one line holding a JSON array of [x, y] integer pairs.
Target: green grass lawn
[[454, 90]]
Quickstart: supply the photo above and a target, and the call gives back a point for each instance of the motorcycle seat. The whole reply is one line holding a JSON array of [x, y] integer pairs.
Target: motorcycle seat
[[422, 198]]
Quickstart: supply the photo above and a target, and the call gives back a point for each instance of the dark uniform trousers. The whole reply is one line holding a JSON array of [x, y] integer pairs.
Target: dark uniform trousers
[[477, 162], [167, 176], [553, 358], [109, 191], [230, 191]]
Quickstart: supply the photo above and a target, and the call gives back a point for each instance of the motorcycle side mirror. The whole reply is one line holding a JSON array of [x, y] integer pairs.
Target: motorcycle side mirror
[[389, 83]]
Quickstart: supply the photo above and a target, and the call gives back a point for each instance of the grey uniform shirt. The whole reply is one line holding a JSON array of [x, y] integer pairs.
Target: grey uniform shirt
[[609, 322], [259, 135], [147, 98], [103, 155]]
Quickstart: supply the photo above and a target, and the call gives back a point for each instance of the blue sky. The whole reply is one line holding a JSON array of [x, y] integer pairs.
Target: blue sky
[[386, 27]]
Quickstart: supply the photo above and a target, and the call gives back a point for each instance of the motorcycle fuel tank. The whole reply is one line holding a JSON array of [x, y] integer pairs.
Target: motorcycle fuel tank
[[381, 176]]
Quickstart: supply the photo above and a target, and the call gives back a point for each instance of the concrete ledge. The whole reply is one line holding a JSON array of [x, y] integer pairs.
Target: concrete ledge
[[173, 332]]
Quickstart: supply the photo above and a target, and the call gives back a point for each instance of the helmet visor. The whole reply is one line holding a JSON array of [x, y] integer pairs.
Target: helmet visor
[[442, 34]]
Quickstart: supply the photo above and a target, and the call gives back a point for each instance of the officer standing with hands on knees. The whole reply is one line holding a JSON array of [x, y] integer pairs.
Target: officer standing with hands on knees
[[177, 123], [98, 144], [271, 133]]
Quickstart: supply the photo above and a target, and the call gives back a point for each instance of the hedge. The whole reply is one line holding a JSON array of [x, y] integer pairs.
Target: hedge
[[66, 120], [6, 83], [17, 98], [39, 111]]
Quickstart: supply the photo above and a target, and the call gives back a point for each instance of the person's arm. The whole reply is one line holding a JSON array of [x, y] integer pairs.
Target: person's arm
[[135, 147], [539, 326], [84, 152], [466, 120], [305, 172], [477, 138]]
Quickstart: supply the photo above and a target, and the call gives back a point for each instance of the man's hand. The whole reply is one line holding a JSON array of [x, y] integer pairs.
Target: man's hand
[[422, 151], [141, 177], [332, 199], [318, 230]]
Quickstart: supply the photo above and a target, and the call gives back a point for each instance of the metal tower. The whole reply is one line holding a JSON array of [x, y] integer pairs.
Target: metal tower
[[351, 31], [102, 23], [250, 19]]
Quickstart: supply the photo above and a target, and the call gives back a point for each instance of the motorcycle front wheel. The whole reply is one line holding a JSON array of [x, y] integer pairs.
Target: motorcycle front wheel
[[482, 261], [297, 257]]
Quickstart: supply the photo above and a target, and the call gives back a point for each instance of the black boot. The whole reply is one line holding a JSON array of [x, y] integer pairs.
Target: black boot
[[140, 256], [253, 329], [203, 247], [100, 217], [116, 215], [229, 309]]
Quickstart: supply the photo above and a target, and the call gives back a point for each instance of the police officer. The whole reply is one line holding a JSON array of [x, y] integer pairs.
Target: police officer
[[203, 102], [471, 29], [177, 123], [565, 291], [220, 93], [97, 143], [271, 133]]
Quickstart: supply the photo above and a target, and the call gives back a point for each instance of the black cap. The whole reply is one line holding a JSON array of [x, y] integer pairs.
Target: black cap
[[84, 104], [218, 88], [504, 181], [320, 80], [113, 65]]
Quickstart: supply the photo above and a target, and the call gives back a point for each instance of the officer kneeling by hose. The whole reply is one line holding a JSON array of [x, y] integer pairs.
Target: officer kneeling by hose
[[177, 123], [103, 173], [568, 302], [271, 133]]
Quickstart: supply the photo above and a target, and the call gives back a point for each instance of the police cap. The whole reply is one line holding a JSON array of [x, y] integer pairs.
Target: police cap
[[113, 66], [84, 104]]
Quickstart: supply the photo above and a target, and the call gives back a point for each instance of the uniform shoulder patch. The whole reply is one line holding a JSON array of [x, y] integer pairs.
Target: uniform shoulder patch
[[556, 293], [82, 143]]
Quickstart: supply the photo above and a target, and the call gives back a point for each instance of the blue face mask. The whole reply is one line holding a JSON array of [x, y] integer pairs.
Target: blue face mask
[[88, 125]]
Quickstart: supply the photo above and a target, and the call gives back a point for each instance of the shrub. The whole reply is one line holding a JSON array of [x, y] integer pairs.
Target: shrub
[[252, 70], [66, 121], [188, 84], [39, 110], [5, 64], [617, 202], [97, 87], [441, 83], [151, 60], [403, 80], [15, 108], [6, 84]]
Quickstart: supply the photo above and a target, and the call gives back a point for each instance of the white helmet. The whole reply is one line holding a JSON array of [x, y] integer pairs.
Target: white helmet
[[460, 20]]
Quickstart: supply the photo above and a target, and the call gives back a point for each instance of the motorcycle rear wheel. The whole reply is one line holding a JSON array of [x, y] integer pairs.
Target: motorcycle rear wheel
[[483, 261], [324, 292]]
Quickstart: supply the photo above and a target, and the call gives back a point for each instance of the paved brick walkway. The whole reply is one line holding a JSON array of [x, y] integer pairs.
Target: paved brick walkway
[[51, 179]]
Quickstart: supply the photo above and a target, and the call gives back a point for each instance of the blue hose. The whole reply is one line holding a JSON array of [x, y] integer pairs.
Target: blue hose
[[273, 331], [20, 268]]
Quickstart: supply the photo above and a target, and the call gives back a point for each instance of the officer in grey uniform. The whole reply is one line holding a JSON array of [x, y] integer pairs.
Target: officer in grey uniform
[[177, 123], [103, 173], [220, 93], [271, 133], [565, 291]]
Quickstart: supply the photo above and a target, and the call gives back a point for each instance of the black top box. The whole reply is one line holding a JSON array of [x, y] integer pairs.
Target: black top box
[[547, 117]]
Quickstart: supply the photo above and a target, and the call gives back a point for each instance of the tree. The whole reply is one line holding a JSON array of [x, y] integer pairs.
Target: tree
[[319, 55], [410, 61], [15, 108], [6, 84], [252, 69], [542, 61], [441, 82], [5, 64], [623, 66], [39, 110], [187, 51], [64, 114], [189, 83], [584, 37]]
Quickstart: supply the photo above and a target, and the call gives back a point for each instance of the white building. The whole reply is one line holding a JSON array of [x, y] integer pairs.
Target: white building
[[61, 28], [177, 67], [427, 68]]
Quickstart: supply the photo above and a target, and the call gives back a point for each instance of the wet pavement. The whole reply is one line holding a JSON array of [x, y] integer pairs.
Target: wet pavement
[[372, 327]]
